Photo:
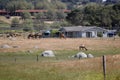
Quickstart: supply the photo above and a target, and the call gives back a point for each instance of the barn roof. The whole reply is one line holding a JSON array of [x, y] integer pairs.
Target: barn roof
[[31, 11], [81, 28], [3, 11]]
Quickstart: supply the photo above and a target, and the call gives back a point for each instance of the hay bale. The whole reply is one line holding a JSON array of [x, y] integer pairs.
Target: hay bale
[[80, 55], [48, 53]]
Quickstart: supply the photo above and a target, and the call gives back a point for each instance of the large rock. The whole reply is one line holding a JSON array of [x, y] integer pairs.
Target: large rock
[[80, 55], [48, 53], [12, 39], [36, 47], [90, 56], [5, 46]]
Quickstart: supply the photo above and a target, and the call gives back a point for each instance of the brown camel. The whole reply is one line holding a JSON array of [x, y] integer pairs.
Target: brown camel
[[35, 35], [62, 36], [82, 47]]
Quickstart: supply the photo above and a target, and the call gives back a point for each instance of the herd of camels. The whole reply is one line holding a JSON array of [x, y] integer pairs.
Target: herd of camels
[[40, 35]]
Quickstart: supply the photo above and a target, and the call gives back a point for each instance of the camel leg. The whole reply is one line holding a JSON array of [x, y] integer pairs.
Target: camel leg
[[85, 48]]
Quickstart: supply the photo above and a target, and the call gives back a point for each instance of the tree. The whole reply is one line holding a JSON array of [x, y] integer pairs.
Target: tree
[[43, 5], [40, 15], [75, 17], [58, 4], [60, 15], [12, 6], [15, 22], [39, 21], [51, 14], [106, 20], [92, 14], [116, 15], [3, 3], [96, 15], [27, 25], [26, 15]]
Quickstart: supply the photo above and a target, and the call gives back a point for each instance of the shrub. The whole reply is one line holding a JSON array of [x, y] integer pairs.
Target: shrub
[[119, 33], [99, 34]]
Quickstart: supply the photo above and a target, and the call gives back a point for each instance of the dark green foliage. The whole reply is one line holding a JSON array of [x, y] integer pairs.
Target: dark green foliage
[[26, 15], [27, 25], [119, 34], [99, 34], [92, 14], [51, 14], [15, 22], [18, 5], [75, 17], [40, 16]]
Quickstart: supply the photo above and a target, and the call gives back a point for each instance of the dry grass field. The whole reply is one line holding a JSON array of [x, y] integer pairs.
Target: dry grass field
[[60, 44], [59, 68]]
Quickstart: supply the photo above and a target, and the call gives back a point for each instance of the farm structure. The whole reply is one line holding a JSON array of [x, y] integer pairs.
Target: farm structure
[[83, 31], [32, 12]]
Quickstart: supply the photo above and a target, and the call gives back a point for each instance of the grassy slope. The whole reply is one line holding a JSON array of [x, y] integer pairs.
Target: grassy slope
[[4, 22], [3, 19]]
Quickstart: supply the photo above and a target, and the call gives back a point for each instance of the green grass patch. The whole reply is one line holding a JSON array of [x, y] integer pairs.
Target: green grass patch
[[3, 24], [60, 55], [24, 66], [47, 71]]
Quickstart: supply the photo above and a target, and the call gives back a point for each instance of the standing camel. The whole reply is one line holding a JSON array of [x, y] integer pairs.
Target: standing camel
[[82, 47], [62, 36]]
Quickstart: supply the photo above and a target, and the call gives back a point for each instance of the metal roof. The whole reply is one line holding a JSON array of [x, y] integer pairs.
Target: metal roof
[[81, 28]]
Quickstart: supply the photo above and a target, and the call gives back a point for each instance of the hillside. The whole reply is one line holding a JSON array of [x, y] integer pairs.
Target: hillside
[[4, 22], [47, 4]]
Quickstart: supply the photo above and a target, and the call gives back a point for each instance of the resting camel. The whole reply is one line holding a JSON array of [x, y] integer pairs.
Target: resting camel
[[34, 35], [12, 34], [82, 47]]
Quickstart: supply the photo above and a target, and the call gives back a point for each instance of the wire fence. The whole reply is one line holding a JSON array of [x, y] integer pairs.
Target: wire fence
[[109, 66]]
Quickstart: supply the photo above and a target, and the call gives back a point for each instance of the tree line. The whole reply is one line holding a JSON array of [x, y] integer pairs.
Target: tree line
[[12, 5], [89, 14], [107, 16]]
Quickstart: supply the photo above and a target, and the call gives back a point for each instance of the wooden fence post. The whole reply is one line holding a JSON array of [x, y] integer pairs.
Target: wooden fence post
[[15, 59], [37, 58], [104, 66]]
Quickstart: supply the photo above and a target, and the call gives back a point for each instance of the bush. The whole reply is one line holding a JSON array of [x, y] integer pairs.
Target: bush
[[99, 34], [15, 22], [119, 33]]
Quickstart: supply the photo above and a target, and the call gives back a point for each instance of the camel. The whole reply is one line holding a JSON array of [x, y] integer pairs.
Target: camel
[[12, 34], [82, 47], [34, 35], [62, 36]]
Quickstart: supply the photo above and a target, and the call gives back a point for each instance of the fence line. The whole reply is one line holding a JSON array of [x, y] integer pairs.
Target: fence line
[[107, 63]]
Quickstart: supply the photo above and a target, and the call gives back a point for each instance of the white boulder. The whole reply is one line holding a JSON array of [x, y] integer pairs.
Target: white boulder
[[5, 46], [80, 55], [36, 47], [48, 53], [90, 56], [12, 39]]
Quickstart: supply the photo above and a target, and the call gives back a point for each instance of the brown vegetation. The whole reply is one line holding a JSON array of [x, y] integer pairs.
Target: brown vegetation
[[60, 44]]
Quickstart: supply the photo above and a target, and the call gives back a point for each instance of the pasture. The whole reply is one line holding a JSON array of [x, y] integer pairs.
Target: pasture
[[20, 63]]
